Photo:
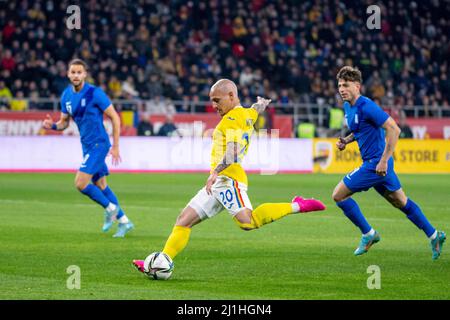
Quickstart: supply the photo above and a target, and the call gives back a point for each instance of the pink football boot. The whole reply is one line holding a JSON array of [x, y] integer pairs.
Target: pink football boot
[[139, 264], [308, 205]]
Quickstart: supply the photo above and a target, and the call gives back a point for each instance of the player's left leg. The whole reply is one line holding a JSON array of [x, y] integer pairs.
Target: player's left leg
[[125, 225], [82, 183], [179, 237], [413, 212], [92, 169], [360, 179], [266, 213], [233, 196]]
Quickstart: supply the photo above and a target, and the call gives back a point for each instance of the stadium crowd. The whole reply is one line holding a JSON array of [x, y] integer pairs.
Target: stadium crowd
[[174, 50]]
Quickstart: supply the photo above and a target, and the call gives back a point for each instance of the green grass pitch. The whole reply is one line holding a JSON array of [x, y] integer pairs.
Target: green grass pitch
[[47, 226]]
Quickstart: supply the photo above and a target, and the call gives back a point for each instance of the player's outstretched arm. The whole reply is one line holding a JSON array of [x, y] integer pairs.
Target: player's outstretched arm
[[115, 153], [60, 125], [231, 156], [261, 104], [342, 142]]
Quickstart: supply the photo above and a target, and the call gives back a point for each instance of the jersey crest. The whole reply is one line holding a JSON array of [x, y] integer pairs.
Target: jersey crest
[[69, 107]]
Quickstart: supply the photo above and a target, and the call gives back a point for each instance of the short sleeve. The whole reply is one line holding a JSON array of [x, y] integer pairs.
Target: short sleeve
[[375, 114], [63, 107], [254, 114], [231, 128], [63, 104], [101, 99]]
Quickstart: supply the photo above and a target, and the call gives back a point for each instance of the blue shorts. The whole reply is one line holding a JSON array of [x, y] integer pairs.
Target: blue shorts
[[94, 161], [365, 177]]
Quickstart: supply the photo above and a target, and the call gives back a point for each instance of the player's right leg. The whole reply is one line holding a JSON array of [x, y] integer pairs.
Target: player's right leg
[[342, 196], [83, 184], [125, 225], [201, 207], [93, 161], [413, 212]]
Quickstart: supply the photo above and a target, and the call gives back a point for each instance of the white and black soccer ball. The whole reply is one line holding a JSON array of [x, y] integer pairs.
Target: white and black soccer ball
[[158, 266]]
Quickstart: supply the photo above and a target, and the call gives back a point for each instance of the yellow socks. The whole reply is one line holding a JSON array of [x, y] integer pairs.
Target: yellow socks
[[266, 213], [177, 241]]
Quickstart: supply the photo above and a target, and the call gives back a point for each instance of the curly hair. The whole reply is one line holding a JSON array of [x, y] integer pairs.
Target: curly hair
[[348, 73]]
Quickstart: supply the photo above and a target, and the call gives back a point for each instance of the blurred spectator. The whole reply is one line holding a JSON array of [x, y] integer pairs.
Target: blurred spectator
[[168, 129], [180, 47], [5, 96], [284, 101], [8, 62], [335, 121], [246, 77], [115, 87], [159, 105], [406, 130], [18, 103], [145, 127], [129, 88], [154, 87]]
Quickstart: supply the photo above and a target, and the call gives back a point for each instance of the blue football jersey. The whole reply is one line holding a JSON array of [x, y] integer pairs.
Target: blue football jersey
[[365, 119], [86, 108]]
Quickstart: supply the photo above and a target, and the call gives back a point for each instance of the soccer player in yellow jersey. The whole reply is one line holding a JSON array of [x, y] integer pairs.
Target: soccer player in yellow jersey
[[226, 187]]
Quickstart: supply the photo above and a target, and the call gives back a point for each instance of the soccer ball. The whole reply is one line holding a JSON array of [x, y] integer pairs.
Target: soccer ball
[[158, 266]]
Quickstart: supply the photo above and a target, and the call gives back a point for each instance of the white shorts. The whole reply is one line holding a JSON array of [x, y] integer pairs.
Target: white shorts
[[227, 194]]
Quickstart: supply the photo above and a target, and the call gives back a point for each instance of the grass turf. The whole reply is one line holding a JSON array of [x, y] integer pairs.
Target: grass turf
[[46, 226]]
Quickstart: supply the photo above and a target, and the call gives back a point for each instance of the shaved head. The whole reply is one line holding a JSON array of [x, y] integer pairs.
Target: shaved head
[[224, 86], [224, 96]]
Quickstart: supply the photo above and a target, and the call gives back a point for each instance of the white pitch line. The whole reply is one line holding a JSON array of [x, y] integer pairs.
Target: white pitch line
[[37, 202]]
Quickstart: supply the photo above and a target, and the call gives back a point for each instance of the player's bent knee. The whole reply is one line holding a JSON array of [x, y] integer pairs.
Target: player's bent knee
[[81, 185], [246, 226], [398, 204], [101, 184], [188, 218], [337, 197]]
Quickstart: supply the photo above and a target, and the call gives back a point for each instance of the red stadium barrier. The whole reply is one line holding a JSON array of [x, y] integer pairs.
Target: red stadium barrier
[[29, 124], [424, 128], [207, 123]]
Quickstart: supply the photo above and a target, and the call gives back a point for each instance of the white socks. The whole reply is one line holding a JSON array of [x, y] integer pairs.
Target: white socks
[[370, 233], [434, 235], [111, 207], [123, 219], [295, 207]]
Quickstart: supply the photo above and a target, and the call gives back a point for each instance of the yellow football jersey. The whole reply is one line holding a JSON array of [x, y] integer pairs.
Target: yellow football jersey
[[235, 126]]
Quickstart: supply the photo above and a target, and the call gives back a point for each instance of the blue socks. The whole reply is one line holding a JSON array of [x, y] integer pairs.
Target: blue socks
[[412, 211], [112, 197], [96, 194], [416, 216], [352, 211]]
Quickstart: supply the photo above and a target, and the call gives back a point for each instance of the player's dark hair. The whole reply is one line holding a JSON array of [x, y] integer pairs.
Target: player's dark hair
[[78, 62], [348, 73]]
